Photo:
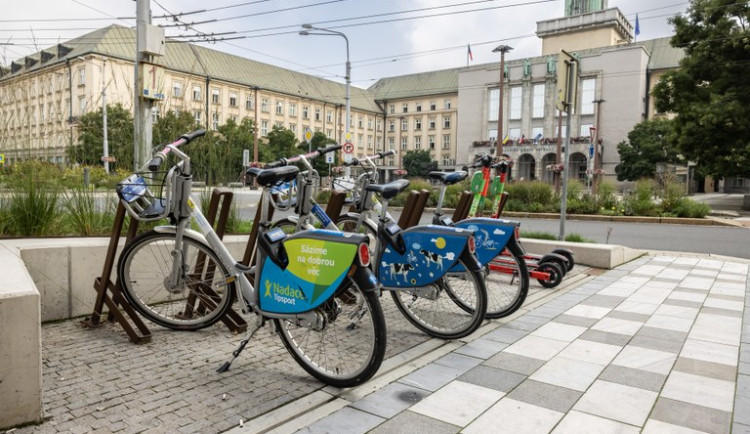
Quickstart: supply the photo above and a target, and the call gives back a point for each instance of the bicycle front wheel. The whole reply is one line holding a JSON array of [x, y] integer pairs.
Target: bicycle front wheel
[[350, 346], [451, 308], [348, 223], [507, 280], [202, 295]]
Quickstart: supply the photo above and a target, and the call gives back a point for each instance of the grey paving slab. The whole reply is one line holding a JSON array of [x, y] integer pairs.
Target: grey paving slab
[[481, 348], [654, 343], [545, 395], [605, 337], [457, 361], [576, 320], [634, 377], [391, 400], [432, 377], [691, 416], [742, 410], [346, 420], [514, 363], [505, 334], [706, 369], [603, 301], [409, 422], [493, 378]]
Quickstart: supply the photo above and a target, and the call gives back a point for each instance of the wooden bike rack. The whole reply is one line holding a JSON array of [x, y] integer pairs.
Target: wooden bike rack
[[103, 284], [231, 319], [462, 209], [408, 209], [419, 206], [335, 205]]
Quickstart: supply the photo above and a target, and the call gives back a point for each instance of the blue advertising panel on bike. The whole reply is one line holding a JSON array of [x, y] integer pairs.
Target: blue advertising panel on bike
[[491, 236], [430, 252]]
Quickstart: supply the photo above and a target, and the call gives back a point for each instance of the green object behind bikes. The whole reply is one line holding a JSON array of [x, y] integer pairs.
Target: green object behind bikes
[[496, 187], [477, 183]]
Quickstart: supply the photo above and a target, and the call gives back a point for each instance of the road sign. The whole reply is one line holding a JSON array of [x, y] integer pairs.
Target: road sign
[[329, 158], [567, 81], [109, 159], [245, 157], [591, 151], [348, 148], [348, 136], [308, 135]]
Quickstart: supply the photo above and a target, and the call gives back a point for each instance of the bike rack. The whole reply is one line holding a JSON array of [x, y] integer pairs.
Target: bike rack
[[249, 256], [335, 205], [503, 199], [231, 319], [416, 213], [462, 209], [408, 209], [103, 284]]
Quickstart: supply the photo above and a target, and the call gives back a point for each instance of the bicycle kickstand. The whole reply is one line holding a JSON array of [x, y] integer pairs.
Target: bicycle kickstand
[[258, 324]]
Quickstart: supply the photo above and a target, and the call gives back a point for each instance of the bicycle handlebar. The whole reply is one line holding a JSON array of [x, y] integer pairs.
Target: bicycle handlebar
[[184, 139], [354, 161], [313, 154]]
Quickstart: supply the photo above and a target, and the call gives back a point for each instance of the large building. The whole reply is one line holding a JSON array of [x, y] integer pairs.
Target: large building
[[452, 113]]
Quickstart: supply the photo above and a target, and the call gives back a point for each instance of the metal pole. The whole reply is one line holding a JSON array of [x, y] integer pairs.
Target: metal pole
[[566, 157], [105, 143], [502, 49], [142, 106]]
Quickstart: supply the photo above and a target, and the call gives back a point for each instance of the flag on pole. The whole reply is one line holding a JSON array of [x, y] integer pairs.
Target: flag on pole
[[471, 56], [506, 140], [637, 26]]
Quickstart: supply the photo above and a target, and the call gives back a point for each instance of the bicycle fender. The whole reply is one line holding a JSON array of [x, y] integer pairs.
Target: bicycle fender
[[430, 251], [319, 261], [190, 233], [491, 235]]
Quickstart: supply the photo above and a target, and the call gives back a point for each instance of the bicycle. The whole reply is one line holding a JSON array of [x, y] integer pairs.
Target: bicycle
[[186, 280], [417, 278], [548, 269]]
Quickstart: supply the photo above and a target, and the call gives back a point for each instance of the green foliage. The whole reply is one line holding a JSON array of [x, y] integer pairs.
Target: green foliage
[[710, 92], [319, 140], [88, 150], [453, 193], [606, 197], [418, 163], [647, 145], [577, 238], [281, 143], [689, 208], [539, 235], [32, 210], [531, 196], [640, 202], [417, 184], [81, 215]]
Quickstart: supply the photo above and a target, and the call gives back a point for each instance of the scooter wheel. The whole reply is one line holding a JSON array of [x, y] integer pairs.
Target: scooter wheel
[[568, 255], [555, 274]]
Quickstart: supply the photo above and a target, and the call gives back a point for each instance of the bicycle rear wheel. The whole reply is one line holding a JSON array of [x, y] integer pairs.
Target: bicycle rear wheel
[[144, 270], [507, 280], [350, 347], [451, 308], [348, 223]]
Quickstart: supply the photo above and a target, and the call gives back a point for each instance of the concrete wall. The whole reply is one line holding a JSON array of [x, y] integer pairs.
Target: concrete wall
[[20, 344]]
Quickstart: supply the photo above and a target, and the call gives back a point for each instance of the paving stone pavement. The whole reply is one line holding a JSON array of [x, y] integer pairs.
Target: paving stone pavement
[[658, 345]]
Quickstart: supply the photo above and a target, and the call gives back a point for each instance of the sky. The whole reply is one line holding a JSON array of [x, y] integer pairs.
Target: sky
[[386, 37]]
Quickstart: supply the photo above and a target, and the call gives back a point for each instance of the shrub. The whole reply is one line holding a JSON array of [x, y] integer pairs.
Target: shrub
[[32, 210], [605, 195], [541, 193], [690, 208], [82, 217]]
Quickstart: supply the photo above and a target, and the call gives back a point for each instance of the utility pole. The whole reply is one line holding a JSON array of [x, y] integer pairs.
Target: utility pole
[[149, 43], [105, 143], [502, 49], [567, 81]]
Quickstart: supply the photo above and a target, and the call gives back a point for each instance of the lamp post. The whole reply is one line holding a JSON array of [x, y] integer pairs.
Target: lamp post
[[105, 143], [502, 49], [348, 76]]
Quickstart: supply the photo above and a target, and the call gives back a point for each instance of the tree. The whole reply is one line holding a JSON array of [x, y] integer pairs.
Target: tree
[[418, 163], [710, 93], [319, 140], [88, 150], [646, 146], [281, 143]]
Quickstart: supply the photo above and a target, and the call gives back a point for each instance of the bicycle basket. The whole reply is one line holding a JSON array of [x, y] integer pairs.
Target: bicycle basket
[[137, 194]]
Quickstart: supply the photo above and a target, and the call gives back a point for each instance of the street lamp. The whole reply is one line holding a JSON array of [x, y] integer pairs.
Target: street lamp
[[502, 49], [105, 143], [348, 76]]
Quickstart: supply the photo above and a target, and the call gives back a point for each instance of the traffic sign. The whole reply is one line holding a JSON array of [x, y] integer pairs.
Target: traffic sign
[[591, 151], [245, 157], [308, 135], [329, 158], [348, 148]]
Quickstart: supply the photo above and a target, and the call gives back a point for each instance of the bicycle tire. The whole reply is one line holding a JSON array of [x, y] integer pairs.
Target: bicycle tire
[[348, 223], [555, 274], [146, 263], [453, 315], [506, 292], [286, 225], [343, 353]]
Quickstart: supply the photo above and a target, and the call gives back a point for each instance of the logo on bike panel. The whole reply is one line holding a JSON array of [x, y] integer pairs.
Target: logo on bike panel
[[427, 258]]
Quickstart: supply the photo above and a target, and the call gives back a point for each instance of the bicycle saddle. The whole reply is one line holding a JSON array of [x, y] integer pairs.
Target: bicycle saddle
[[448, 178], [387, 191], [271, 177]]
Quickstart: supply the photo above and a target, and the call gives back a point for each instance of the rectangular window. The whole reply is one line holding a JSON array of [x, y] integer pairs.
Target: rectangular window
[[588, 94], [404, 124], [514, 133], [446, 104], [493, 108], [391, 143], [177, 89], [329, 133], [446, 141], [418, 124], [317, 114], [197, 116], [215, 121], [492, 134], [391, 126], [279, 107], [432, 123], [516, 94], [417, 142], [433, 106], [369, 142], [233, 99], [537, 133], [264, 105], [82, 76], [215, 96], [446, 122], [292, 109], [197, 93], [305, 112], [369, 123], [537, 105], [585, 130], [431, 141], [81, 105], [293, 128], [249, 102], [329, 116], [405, 108], [392, 109], [564, 131], [361, 122], [264, 128], [419, 106], [404, 141]]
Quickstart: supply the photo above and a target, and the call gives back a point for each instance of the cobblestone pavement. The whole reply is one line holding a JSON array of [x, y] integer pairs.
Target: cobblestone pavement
[[95, 380]]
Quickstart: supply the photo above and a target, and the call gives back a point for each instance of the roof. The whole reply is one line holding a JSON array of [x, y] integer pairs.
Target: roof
[[119, 42], [663, 54], [414, 85]]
